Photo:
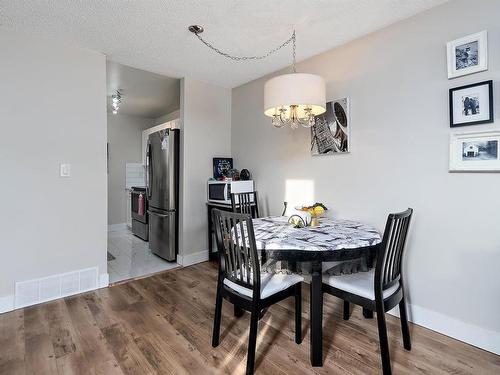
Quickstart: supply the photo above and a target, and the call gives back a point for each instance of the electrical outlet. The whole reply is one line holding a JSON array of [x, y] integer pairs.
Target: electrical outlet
[[65, 170]]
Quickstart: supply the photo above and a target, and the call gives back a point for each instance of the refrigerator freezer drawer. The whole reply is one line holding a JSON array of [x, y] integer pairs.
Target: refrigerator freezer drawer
[[162, 234]]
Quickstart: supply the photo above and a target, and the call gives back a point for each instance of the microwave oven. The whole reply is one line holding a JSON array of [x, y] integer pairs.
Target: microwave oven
[[220, 191]]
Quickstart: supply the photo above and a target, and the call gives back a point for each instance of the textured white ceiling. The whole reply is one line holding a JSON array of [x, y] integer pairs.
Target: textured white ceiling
[[145, 94], [152, 34]]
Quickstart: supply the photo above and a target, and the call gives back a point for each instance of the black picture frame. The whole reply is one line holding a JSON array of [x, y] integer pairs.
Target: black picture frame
[[220, 164], [490, 104]]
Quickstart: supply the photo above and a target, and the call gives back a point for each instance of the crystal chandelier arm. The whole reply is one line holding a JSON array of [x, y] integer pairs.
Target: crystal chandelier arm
[[283, 117], [245, 58]]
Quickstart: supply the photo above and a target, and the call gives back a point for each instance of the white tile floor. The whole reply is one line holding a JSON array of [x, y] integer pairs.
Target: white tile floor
[[133, 257]]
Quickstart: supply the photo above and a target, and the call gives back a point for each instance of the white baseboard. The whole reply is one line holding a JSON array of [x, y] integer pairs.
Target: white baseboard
[[457, 329], [119, 226], [103, 280], [190, 259], [6, 304]]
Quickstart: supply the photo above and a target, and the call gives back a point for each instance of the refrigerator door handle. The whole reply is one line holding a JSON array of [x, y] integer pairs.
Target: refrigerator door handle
[[157, 214], [149, 168]]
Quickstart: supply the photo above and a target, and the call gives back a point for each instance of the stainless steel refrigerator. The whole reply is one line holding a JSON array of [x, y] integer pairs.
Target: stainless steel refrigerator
[[162, 179]]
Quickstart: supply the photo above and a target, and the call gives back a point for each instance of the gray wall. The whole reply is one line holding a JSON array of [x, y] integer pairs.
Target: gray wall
[[124, 138], [53, 110], [397, 81], [205, 133]]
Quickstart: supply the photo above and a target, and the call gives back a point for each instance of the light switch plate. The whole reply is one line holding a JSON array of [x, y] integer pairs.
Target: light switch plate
[[65, 170]]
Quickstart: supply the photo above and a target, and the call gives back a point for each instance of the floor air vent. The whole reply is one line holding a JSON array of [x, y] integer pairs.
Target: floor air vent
[[45, 289]]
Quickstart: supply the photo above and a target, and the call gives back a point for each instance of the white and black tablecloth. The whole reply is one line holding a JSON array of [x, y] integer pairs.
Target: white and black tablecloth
[[275, 233]]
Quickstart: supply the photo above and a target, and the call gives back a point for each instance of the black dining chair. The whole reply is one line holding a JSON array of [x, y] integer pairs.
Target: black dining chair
[[245, 203], [380, 289], [241, 283]]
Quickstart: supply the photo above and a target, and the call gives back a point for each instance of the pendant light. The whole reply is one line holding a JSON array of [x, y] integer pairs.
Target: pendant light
[[290, 99], [294, 98]]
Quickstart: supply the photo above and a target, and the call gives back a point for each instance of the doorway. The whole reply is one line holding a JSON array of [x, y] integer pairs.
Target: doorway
[[138, 103]]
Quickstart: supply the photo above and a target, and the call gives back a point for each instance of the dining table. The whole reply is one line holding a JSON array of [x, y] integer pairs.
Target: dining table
[[331, 240]]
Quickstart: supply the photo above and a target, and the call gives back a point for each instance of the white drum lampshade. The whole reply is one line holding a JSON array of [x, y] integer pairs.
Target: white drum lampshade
[[298, 89]]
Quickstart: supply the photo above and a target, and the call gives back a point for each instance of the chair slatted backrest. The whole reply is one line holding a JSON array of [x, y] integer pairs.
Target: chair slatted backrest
[[388, 268], [238, 255], [245, 203]]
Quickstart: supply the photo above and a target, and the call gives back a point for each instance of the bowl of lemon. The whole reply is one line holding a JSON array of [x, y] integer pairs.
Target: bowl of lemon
[[316, 211]]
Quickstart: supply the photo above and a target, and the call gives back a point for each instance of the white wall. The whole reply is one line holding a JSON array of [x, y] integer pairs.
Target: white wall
[[397, 82], [52, 110], [168, 117], [125, 146], [205, 133]]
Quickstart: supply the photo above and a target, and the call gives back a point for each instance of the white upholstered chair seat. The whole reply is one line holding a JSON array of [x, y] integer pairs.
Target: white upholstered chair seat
[[269, 284], [360, 283]]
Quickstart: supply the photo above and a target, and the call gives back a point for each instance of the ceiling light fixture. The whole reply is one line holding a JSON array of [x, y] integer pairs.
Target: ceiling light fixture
[[290, 99], [116, 101]]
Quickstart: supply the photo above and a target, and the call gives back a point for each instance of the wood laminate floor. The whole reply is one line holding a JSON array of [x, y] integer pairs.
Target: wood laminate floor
[[163, 325]]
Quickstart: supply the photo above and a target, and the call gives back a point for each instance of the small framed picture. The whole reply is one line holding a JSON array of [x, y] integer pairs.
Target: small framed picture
[[471, 104], [221, 167], [468, 55], [475, 152]]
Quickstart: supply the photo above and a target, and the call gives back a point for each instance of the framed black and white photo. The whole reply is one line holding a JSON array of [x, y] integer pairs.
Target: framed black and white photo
[[331, 133], [471, 104], [468, 55], [475, 152]]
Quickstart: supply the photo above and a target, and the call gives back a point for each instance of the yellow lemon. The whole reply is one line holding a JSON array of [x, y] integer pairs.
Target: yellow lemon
[[318, 210]]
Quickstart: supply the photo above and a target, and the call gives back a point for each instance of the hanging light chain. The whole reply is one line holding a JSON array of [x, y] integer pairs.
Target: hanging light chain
[[258, 57], [294, 114]]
